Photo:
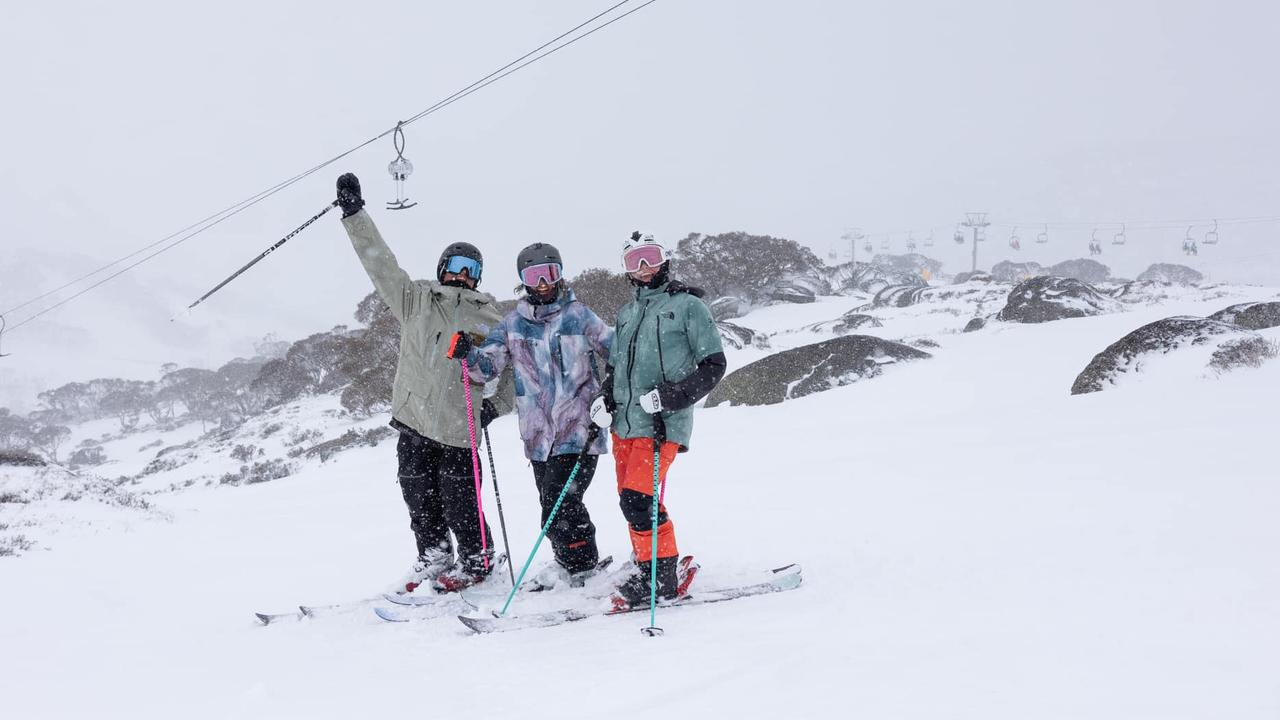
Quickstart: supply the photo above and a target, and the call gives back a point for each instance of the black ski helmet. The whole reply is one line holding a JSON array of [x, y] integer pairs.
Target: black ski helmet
[[537, 254], [465, 250]]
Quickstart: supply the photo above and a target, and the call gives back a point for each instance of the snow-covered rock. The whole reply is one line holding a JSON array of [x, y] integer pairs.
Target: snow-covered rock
[[845, 324], [1179, 348], [1082, 269], [898, 296], [739, 337], [809, 369], [727, 307], [1171, 274], [793, 292], [1251, 316], [974, 276], [1047, 298]]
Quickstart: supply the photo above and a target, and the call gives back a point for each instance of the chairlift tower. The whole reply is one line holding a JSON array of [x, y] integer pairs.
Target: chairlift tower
[[853, 235], [977, 221]]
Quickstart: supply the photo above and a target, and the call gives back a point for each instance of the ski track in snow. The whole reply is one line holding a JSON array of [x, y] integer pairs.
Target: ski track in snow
[[976, 543]]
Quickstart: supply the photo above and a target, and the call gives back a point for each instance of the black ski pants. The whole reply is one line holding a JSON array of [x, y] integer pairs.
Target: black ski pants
[[439, 489], [572, 535]]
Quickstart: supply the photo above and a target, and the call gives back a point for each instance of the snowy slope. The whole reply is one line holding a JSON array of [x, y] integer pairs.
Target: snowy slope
[[977, 543]]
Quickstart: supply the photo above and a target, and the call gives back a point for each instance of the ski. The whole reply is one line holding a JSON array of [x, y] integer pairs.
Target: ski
[[407, 607], [781, 579], [309, 611], [268, 618], [444, 605]]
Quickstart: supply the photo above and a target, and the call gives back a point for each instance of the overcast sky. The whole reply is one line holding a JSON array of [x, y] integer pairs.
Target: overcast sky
[[126, 121]]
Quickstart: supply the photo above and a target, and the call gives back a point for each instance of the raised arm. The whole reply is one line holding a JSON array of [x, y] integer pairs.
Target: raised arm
[[400, 293]]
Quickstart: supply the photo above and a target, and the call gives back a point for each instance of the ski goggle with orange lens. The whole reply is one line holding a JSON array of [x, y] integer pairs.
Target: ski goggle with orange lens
[[457, 263], [534, 274], [651, 255]]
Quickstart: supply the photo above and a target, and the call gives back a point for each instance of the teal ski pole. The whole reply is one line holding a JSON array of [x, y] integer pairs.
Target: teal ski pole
[[659, 433], [591, 436]]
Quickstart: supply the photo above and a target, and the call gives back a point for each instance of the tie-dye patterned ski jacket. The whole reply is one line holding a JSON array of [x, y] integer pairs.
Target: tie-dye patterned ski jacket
[[558, 352]]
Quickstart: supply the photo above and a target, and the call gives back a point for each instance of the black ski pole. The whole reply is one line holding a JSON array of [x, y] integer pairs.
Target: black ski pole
[[265, 253], [493, 473]]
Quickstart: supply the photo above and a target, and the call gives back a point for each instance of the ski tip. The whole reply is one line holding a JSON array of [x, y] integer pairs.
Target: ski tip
[[787, 569], [389, 615], [306, 611], [470, 622], [263, 618]]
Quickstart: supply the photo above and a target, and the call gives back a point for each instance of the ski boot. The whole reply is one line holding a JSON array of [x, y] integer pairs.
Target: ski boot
[[466, 572], [674, 578], [424, 569], [554, 575]]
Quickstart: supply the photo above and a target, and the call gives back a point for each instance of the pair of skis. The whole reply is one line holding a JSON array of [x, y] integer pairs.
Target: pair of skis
[[780, 579], [408, 608], [403, 603]]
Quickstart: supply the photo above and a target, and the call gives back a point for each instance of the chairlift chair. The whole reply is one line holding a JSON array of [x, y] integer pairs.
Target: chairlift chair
[[928, 242], [1189, 243], [1119, 238], [911, 242], [1211, 237], [868, 247], [400, 170], [1014, 241], [959, 236], [2, 324], [884, 244], [1043, 237]]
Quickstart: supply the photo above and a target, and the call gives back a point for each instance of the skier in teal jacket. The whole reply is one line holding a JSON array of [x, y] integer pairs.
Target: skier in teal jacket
[[666, 356]]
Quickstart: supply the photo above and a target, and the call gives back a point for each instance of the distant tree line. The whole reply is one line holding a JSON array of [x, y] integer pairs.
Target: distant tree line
[[359, 363]]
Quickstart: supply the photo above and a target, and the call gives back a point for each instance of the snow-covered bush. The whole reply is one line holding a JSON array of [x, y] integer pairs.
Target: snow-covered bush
[[1249, 352]]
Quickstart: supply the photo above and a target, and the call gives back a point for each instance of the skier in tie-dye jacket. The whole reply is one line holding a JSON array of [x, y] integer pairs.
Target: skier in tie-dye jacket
[[558, 349]]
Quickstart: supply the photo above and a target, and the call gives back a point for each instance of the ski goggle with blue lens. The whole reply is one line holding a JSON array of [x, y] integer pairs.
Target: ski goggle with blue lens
[[457, 263]]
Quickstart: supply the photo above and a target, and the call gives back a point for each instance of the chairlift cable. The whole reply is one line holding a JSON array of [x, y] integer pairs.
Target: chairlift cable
[[199, 227]]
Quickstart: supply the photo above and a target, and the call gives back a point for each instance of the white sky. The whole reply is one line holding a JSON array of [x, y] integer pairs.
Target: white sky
[[127, 121]]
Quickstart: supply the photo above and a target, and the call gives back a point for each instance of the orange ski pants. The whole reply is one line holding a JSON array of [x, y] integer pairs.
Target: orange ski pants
[[633, 459]]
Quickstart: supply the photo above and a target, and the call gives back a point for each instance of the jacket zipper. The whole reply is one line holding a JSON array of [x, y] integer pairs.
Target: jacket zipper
[[631, 366], [662, 367]]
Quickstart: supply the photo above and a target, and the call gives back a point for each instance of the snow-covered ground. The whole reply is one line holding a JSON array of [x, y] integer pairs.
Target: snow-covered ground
[[977, 543]]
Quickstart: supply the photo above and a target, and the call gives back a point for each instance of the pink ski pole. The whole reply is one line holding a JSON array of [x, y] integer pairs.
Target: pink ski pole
[[475, 462]]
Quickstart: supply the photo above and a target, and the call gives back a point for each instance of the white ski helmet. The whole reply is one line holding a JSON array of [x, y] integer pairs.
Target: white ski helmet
[[654, 250]]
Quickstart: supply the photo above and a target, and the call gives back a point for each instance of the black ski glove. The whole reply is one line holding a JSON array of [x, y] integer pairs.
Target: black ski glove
[[459, 347], [349, 194], [487, 413]]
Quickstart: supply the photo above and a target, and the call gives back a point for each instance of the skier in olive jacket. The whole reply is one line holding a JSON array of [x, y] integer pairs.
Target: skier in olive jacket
[[666, 356], [427, 405]]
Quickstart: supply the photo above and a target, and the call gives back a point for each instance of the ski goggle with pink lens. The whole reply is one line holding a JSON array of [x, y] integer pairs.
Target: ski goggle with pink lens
[[457, 263], [651, 255], [534, 274]]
